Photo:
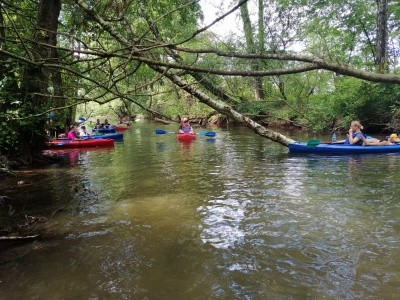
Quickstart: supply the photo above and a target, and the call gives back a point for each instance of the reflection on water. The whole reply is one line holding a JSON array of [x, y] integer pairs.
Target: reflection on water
[[234, 217]]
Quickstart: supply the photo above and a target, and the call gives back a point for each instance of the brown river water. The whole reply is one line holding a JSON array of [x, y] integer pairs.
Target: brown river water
[[235, 217]]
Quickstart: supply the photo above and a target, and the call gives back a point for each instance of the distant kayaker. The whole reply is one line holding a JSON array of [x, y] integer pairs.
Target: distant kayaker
[[98, 125], [185, 126], [123, 121], [83, 131], [106, 124]]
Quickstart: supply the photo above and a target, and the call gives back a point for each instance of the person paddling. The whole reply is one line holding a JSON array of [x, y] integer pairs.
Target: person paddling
[[185, 126]]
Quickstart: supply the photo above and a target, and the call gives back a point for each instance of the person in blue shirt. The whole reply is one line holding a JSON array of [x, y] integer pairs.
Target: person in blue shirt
[[185, 126], [355, 136]]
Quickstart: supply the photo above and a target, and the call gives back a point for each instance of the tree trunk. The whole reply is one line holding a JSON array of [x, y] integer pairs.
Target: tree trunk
[[261, 48], [251, 48], [37, 79], [2, 39], [45, 35], [381, 36], [9, 87]]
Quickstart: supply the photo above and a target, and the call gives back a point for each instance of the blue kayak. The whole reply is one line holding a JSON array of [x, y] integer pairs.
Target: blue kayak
[[105, 129], [114, 136], [325, 148]]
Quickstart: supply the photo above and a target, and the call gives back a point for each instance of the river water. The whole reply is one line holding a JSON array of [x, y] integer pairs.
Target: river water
[[235, 217]]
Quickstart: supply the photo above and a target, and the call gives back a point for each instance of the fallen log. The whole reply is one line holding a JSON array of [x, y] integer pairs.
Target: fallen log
[[163, 121]]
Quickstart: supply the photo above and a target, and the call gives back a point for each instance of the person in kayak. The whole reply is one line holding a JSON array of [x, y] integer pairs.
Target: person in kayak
[[355, 136], [375, 142], [83, 132], [72, 135], [123, 121], [98, 124], [185, 126], [106, 125]]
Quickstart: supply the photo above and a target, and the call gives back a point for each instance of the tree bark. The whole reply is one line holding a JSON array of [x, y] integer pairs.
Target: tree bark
[[45, 35], [37, 78], [381, 36], [251, 47], [2, 39]]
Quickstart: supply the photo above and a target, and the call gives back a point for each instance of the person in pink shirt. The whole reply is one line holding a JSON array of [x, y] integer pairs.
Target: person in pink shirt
[[72, 134]]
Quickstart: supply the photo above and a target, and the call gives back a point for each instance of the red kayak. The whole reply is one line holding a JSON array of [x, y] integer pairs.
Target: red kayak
[[185, 137], [81, 143], [121, 127]]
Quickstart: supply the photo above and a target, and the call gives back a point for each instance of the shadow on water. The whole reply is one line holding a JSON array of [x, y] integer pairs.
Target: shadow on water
[[235, 217]]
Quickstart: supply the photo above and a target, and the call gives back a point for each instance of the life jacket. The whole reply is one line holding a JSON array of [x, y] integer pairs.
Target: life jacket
[[186, 128], [359, 143]]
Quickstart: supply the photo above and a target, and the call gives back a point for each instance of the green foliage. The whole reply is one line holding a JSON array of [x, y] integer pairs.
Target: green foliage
[[373, 104], [8, 136], [253, 107]]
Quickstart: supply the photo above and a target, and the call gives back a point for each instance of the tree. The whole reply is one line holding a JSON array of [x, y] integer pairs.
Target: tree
[[37, 78], [381, 36], [251, 44]]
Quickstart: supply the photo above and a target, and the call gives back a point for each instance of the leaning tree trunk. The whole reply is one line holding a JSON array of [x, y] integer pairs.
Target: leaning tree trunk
[[37, 79], [381, 36]]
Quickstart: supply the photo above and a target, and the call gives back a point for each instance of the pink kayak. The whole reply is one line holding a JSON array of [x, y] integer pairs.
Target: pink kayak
[[185, 137]]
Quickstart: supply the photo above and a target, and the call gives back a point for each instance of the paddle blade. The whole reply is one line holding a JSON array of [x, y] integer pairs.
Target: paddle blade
[[208, 133], [159, 131], [313, 143]]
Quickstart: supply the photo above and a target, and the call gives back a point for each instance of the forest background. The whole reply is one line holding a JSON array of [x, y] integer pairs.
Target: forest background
[[313, 63]]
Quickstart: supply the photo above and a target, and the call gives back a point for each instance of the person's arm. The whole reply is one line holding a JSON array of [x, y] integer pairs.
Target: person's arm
[[356, 139], [350, 137]]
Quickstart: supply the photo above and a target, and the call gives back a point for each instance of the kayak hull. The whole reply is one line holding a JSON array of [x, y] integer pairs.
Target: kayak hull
[[114, 136], [109, 129], [299, 147], [81, 143], [121, 128], [185, 137]]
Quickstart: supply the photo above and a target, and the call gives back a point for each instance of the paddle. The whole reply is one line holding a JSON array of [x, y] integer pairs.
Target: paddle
[[159, 131], [205, 133], [313, 143], [63, 143]]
